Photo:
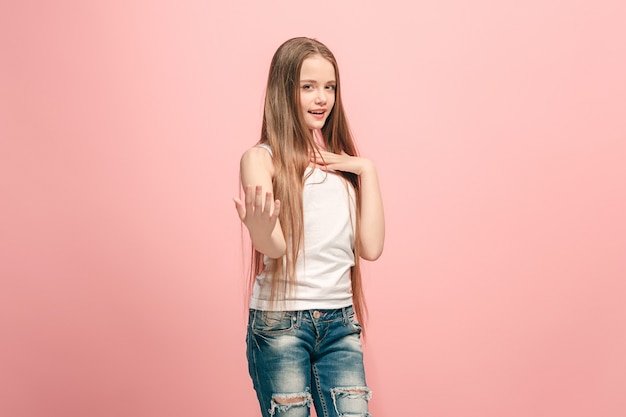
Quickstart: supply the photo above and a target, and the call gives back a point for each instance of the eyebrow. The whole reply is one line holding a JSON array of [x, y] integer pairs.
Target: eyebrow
[[315, 82]]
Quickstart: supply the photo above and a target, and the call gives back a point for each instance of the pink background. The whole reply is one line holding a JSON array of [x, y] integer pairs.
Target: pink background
[[499, 130]]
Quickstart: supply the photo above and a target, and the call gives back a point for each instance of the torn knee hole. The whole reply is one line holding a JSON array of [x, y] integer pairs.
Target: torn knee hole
[[355, 391], [352, 392], [351, 401], [283, 402], [289, 400]]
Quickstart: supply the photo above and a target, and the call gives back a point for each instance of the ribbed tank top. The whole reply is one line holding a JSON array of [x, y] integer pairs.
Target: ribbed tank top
[[323, 266]]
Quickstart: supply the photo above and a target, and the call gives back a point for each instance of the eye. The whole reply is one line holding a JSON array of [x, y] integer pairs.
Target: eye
[[307, 87], [331, 87]]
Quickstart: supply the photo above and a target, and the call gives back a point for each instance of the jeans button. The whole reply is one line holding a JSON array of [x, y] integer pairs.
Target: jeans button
[[316, 314]]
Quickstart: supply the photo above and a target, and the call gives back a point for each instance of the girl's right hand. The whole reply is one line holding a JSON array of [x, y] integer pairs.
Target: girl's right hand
[[259, 217]]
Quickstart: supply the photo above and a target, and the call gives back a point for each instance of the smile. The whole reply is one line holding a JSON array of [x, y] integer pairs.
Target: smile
[[318, 114]]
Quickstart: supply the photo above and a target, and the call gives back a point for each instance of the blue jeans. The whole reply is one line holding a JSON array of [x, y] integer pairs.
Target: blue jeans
[[299, 357]]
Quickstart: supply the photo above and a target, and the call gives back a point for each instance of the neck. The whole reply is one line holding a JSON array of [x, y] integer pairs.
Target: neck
[[319, 138]]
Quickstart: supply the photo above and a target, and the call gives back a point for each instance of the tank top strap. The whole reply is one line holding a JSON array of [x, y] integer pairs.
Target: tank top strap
[[265, 146]]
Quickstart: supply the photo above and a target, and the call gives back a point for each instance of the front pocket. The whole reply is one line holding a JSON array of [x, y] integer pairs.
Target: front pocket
[[273, 322], [353, 321]]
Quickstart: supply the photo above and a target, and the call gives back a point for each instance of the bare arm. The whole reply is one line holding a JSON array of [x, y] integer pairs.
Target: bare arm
[[259, 212], [372, 231]]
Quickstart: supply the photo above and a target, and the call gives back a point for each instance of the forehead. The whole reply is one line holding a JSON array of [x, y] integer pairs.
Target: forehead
[[317, 68]]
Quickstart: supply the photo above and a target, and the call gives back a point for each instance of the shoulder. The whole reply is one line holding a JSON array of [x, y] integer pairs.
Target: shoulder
[[257, 157]]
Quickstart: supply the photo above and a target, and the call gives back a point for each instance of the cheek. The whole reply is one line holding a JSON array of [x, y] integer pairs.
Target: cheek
[[331, 101]]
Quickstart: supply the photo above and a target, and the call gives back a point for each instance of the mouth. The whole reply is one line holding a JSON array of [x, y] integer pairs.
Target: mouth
[[318, 114]]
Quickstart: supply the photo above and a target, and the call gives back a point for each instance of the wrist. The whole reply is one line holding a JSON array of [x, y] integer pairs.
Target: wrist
[[366, 167]]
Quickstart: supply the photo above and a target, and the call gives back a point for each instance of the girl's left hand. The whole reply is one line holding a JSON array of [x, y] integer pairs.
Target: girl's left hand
[[341, 162]]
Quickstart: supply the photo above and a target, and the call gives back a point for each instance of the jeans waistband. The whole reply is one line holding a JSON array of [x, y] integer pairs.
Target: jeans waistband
[[309, 315]]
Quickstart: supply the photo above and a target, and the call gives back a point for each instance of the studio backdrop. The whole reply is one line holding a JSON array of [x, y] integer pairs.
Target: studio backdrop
[[498, 129]]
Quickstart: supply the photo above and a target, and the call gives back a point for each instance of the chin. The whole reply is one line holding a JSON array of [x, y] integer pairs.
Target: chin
[[316, 125]]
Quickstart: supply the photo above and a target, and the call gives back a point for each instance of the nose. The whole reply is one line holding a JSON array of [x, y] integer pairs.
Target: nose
[[320, 98]]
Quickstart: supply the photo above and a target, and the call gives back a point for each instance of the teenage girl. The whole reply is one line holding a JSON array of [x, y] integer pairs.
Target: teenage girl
[[313, 209]]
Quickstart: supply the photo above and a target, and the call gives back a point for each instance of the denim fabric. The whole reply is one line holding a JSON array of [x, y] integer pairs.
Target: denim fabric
[[299, 357]]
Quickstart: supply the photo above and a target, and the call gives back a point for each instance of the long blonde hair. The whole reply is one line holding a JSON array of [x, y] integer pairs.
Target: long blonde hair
[[285, 132]]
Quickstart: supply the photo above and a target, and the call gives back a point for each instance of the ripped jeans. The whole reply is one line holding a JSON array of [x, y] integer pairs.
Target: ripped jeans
[[299, 357]]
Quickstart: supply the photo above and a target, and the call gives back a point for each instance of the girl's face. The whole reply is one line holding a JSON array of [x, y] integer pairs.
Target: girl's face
[[317, 90]]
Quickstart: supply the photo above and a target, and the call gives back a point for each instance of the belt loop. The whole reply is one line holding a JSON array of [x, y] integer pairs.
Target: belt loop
[[298, 319], [344, 311]]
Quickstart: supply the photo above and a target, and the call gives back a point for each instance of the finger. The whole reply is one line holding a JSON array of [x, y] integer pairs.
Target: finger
[[268, 204], [249, 198], [276, 210], [319, 158], [328, 157], [241, 211], [258, 199]]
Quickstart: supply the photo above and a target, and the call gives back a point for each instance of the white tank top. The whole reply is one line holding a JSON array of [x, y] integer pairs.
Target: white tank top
[[323, 267]]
